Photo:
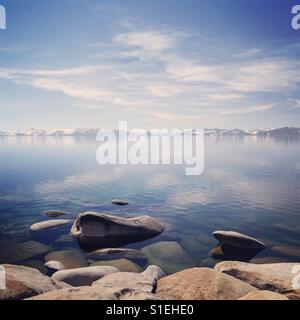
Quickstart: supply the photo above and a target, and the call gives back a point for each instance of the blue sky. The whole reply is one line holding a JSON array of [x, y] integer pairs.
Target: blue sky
[[171, 63]]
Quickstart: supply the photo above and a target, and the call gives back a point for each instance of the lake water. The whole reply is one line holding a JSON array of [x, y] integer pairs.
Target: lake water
[[250, 185]]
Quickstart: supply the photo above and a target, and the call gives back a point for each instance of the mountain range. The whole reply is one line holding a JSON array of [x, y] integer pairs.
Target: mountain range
[[287, 131]]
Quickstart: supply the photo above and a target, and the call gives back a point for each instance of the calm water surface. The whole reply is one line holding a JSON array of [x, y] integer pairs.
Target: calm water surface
[[250, 185]]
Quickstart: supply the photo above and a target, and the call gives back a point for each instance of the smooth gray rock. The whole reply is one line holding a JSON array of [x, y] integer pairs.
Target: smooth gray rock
[[92, 228], [119, 202], [145, 281], [23, 282], [169, 256], [277, 277], [83, 276], [40, 226], [55, 265], [233, 238]]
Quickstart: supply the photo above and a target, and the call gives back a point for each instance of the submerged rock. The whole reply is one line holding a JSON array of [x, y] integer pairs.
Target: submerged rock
[[54, 213], [123, 265], [69, 259], [145, 281], [263, 295], [40, 226], [236, 239], [35, 264], [119, 202], [117, 253], [289, 251], [23, 282], [17, 252], [168, 255], [202, 284], [277, 277], [83, 276], [94, 229]]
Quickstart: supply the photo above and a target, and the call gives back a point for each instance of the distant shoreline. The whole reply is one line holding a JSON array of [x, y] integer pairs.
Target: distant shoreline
[[286, 131]]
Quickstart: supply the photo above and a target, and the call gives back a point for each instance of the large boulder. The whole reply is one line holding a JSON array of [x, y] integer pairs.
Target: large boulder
[[238, 240], [23, 282], [41, 226], [96, 293], [83, 276], [145, 281], [202, 284], [277, 277], [122, 264], [68, 259], [96, 230], [168, 255], [263, 295]]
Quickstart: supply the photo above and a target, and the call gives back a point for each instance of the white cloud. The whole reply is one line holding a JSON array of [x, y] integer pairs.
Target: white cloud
[[248, 53], [149, 42], [248, 109]]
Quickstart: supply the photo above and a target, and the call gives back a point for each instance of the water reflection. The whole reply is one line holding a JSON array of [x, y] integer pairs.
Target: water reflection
[[250, 185]]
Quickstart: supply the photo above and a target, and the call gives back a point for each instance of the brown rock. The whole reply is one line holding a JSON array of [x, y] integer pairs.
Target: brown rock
[[23, 282], [263, 295], [202, 284], [277, 277]]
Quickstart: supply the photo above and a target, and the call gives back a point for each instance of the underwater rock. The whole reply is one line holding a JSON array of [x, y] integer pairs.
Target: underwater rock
[[289, 251], [54, 213], [69, 259], [169, 256], [17, 252], [116, 253]]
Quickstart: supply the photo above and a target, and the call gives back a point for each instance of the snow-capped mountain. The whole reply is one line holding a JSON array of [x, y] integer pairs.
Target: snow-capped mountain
[[287, 131]]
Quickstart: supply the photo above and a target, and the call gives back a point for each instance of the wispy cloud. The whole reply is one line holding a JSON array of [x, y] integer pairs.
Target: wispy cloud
[[248, 109], [164, 79]]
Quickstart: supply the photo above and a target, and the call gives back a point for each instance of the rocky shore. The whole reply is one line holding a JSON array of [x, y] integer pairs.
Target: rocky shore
[[160, 271]]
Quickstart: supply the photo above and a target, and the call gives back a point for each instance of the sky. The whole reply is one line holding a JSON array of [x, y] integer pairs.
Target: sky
[[156, 64]]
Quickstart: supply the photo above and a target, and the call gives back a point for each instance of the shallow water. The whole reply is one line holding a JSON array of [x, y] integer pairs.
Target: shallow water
[[250, 185]]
